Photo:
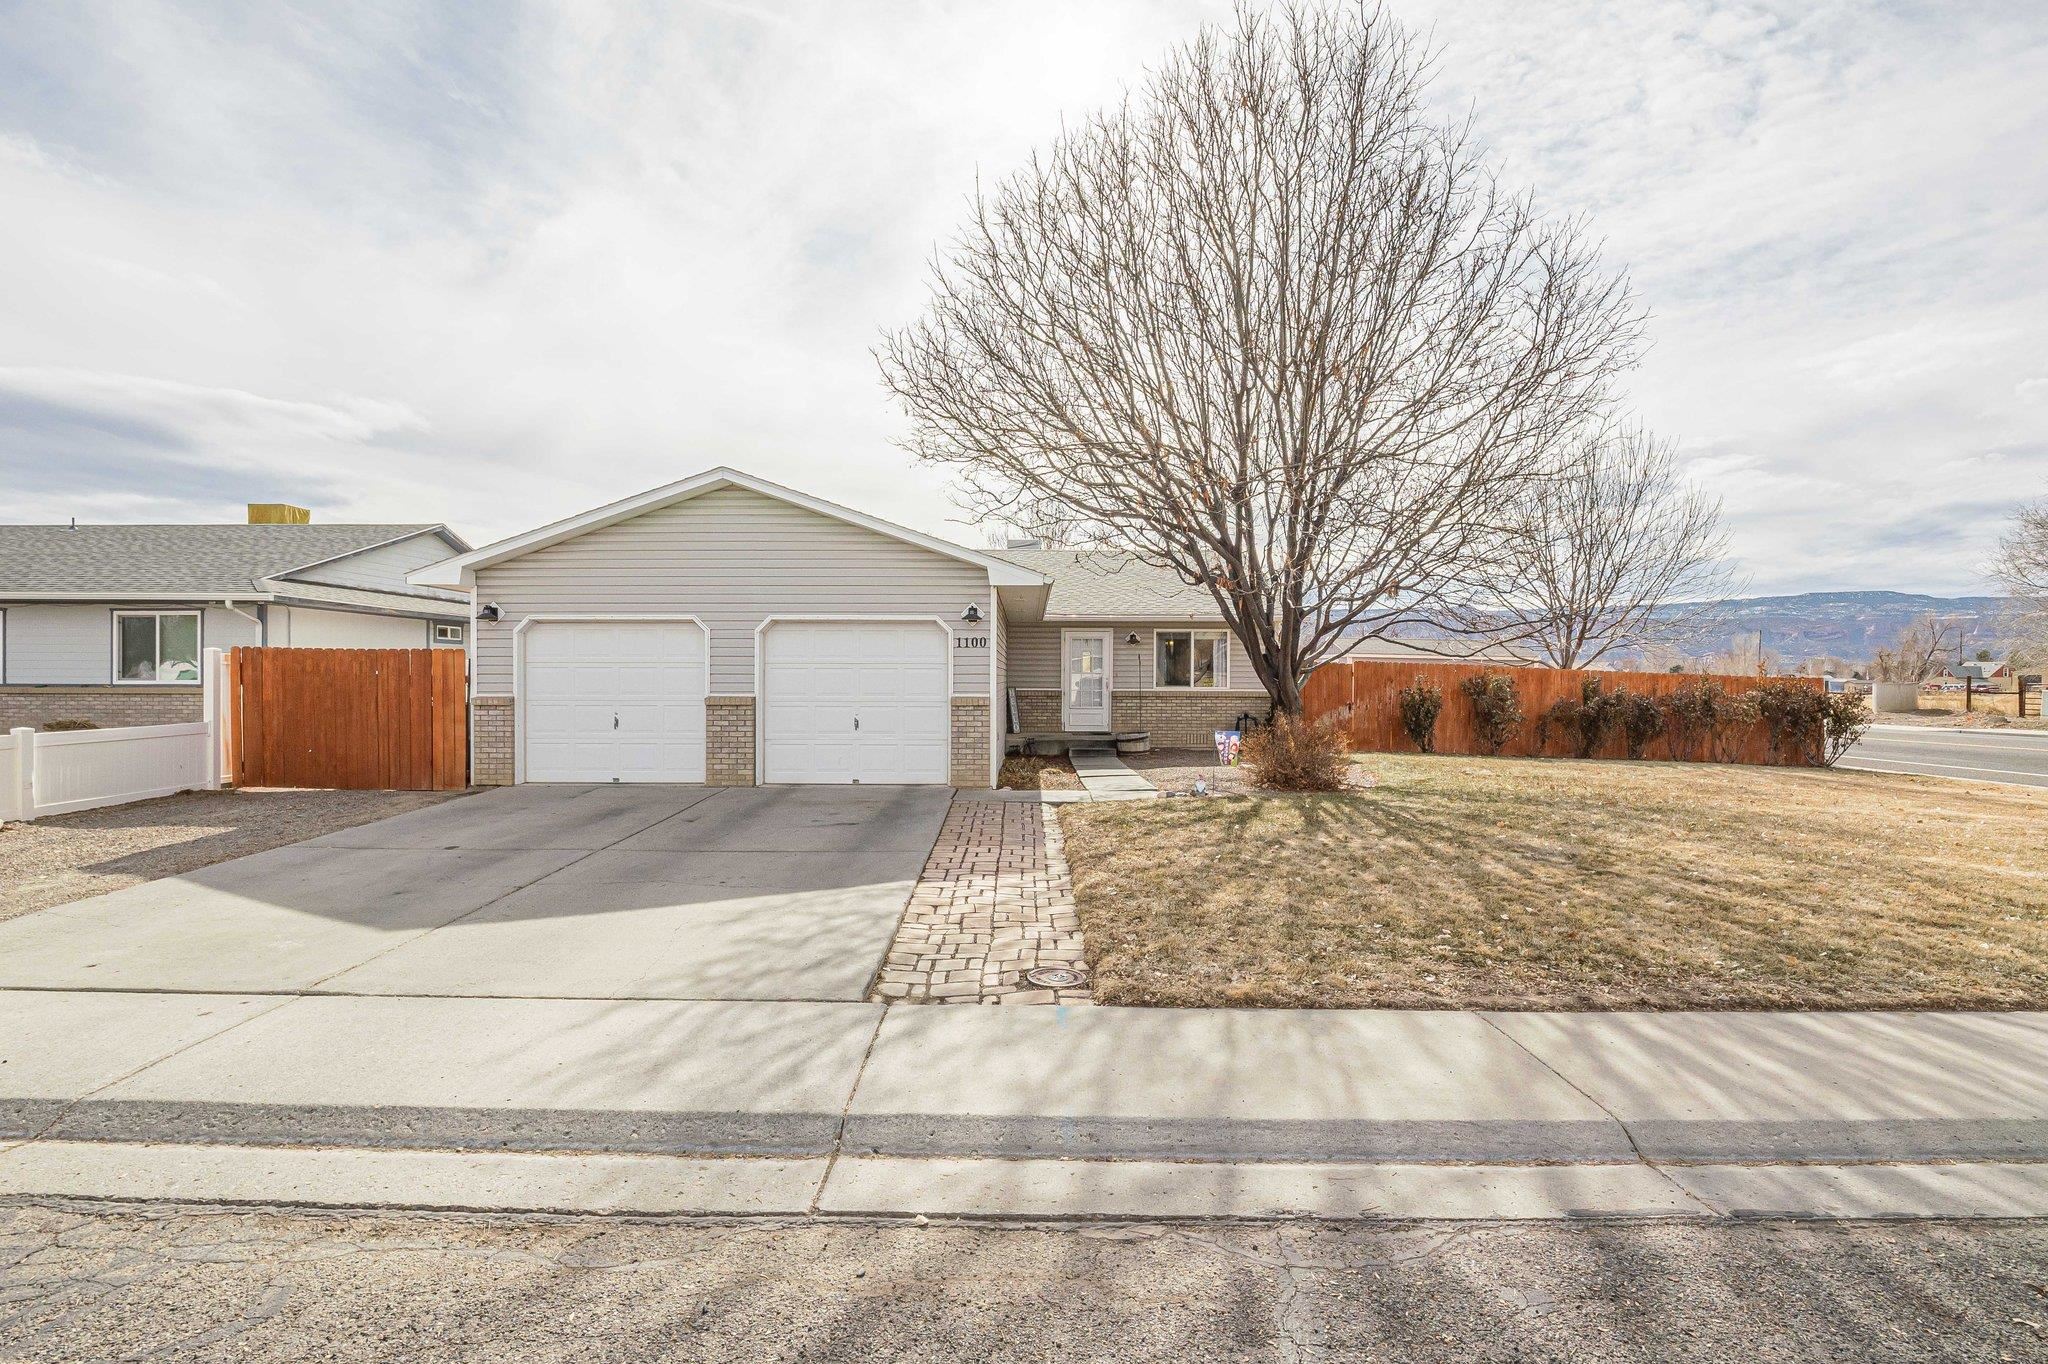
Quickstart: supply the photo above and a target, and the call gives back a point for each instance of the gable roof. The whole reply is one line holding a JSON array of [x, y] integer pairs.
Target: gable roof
[[1088, 584], [460, 571], [179, 561]]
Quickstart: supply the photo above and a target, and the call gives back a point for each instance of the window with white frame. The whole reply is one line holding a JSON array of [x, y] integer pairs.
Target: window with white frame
[[447, 634], [156, 646], [1190, 658]]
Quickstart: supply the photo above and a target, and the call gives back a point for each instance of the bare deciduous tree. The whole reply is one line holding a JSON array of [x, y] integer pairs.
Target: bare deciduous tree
[[2023, 567], [1619, 553], [1269, 327], [1920, 652]]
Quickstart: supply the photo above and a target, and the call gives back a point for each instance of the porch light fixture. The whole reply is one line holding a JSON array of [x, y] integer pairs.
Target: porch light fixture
[[489, 611], [972, 615], [1132, 639]]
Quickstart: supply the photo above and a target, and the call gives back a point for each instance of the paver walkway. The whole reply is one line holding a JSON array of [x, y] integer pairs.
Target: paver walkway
[[994, 903]]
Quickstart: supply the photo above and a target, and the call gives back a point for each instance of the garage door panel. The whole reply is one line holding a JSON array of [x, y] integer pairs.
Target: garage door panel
[[820, 677], [608, 701]]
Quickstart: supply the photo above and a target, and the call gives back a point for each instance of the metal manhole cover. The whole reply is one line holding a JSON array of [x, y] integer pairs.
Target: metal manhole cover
[[1054, 977]]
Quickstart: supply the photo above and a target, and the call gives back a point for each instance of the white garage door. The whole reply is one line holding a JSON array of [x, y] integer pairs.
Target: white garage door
[[613, 701], [855, 701]]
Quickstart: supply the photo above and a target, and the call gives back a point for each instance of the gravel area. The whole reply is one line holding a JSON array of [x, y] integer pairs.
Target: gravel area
[[1031, 773], [68, 857]]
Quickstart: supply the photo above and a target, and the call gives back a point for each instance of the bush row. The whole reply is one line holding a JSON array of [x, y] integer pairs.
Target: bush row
[[1702, 720]]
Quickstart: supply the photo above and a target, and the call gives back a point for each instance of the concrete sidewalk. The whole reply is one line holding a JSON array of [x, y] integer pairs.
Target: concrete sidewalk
[[724, 1078]]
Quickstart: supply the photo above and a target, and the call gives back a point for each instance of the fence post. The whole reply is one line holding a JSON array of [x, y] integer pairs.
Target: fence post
[[19, 794], [209, 711]]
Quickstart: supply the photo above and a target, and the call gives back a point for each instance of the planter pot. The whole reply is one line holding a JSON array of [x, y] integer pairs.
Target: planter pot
[[1134, 743], [1894, 698]]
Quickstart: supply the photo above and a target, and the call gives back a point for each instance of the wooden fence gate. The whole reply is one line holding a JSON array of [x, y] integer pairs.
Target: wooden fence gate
[[349, 719]]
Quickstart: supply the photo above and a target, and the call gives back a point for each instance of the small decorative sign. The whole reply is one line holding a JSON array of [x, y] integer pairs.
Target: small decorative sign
[[1227, 741]]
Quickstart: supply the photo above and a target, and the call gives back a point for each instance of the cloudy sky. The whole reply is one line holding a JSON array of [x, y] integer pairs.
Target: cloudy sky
[[493, 263]]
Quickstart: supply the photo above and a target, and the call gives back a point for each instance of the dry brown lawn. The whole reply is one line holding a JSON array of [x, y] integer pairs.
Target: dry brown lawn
[[1458, 882], [1028, 773]]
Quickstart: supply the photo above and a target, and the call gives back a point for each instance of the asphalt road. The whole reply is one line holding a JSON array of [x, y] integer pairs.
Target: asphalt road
[[105, 1284], [2018, 756]]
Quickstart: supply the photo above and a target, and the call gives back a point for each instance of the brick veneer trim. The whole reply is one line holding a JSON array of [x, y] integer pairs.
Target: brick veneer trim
[[108, 707], [970, 745], [729, 740], [1175, 719], [490, 740]]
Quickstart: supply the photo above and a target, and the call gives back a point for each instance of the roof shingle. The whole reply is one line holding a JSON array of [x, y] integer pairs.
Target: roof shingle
[[219, 560]]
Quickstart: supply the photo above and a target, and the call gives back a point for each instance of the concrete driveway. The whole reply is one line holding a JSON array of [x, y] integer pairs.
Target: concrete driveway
[[579, 892]]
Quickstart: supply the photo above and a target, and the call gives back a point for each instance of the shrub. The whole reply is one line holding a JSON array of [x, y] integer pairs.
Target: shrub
[[1795, 721], [1641, 719], [1420, 705], [1737, 718], [1496, 709], [68, 726], [1843, 723], [1813, 726], [1585, 721], [1692, 715], [1293, 754]]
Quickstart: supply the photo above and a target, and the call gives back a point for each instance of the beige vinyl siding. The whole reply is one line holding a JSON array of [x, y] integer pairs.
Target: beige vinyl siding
[[1034, 656], [999, 717], [55, 643], [731, 557], [60, 643], [311, 629], [382, 568]]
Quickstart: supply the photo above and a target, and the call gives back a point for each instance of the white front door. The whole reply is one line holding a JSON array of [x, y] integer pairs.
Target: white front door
[[1087, 680], [612, 701], [856, 701]]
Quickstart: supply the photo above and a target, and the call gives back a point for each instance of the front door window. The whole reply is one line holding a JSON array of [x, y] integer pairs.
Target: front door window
[[1087, 681]]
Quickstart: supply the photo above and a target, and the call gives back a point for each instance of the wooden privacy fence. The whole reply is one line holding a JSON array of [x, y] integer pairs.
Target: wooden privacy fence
[[1366, 695], [350, 719]]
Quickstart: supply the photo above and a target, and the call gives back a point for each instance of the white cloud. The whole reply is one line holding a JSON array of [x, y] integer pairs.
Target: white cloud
[[496, 264]]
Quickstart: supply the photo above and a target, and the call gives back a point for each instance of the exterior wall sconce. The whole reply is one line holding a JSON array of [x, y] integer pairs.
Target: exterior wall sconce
[[488, 612], [972, 615], [1132, 639]]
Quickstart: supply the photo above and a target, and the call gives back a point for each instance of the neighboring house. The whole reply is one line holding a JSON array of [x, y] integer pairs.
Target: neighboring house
[[1434, 651], [1976, 671], [107, 623], [725, 629]]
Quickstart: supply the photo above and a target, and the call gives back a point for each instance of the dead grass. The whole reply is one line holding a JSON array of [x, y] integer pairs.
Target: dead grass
[[1515, 884], [68, 857], [1038, 774]]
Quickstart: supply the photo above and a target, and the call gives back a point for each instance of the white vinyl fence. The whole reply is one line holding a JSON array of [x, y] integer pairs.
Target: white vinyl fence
[[54, 774]]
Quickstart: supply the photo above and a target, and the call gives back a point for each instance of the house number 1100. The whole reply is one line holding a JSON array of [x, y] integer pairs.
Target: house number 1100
[[970, 642]]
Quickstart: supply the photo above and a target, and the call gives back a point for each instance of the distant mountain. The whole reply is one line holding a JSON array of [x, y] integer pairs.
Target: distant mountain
[[1847, 625], [1851, 625]]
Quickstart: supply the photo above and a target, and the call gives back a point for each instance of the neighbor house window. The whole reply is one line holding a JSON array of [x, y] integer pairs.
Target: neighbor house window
[[447, 634], [156, 646], [1190, 658]]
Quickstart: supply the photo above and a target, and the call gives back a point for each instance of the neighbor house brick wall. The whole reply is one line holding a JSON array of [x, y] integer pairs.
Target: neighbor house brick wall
[[970, 741], [729, 740], [107, 707], [490, 741], [1184, 719]]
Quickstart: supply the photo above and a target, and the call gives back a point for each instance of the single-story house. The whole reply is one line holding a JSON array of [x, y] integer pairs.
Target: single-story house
[[728, 630], [106, 623], [1976, 670]]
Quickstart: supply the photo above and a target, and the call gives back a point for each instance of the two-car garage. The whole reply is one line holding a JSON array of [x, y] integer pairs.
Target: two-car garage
[[835, 700]]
